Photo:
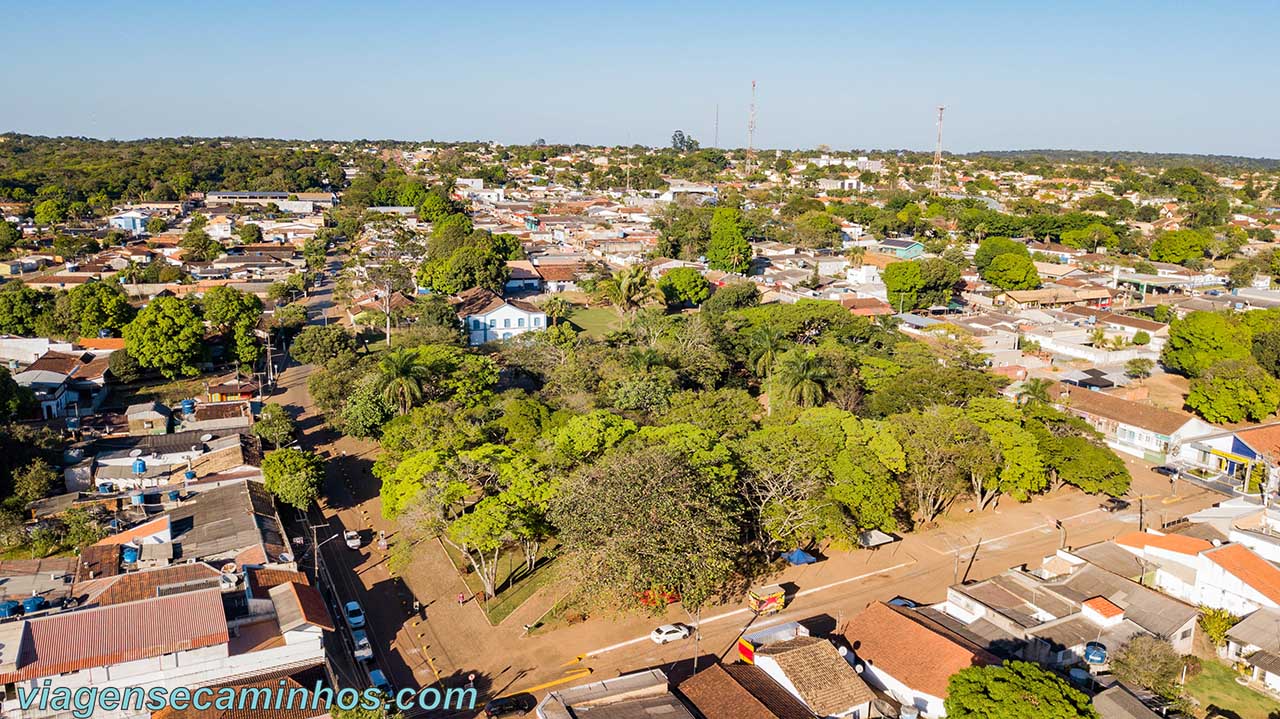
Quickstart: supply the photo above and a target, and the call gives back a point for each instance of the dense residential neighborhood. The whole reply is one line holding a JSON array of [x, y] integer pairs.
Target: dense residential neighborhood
[[738, 425]]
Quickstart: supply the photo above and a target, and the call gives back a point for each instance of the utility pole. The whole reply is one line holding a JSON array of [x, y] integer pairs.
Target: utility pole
[[751, 130], [937, 156]]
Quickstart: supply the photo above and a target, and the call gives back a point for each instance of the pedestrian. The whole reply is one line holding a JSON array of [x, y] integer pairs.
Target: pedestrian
[[417, 608], [471, 680], [462, 598]]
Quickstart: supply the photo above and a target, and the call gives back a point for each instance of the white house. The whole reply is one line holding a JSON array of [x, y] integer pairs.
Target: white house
[[812, 670], [488, 317], [1256, 642], [1233, 577]]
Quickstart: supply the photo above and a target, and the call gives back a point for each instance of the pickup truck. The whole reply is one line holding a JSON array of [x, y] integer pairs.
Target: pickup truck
[[364, 650]]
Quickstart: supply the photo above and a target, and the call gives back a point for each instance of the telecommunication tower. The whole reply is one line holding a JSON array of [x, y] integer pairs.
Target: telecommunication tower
[[937, 156]]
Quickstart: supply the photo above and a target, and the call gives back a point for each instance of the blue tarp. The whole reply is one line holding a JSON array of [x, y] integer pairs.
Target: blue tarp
[[799, 556]]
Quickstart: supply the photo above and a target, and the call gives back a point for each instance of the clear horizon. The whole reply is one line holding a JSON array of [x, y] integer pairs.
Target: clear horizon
[[1089, 77]]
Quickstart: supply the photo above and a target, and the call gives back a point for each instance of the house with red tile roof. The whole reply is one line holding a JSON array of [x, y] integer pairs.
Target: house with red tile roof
[[1235, 578], [909, 656]]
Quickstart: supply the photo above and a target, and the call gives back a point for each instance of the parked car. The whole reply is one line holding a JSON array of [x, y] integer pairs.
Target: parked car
[[1166, 470], [352, 538], [379, 681], [669, 633], [364, 649], [354, 615], [515, 704], [1114, 504]]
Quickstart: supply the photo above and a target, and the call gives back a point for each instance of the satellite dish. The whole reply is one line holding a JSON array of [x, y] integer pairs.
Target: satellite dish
[[206, 437], [135, 453], [286, 557], [229, 568]]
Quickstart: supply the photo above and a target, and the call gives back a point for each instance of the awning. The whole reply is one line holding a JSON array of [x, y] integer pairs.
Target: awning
[[798, 557]]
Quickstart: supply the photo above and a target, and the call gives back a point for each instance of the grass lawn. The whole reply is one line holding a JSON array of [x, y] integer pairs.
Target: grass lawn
[[515, 585], [595, 321], [1216, 686]]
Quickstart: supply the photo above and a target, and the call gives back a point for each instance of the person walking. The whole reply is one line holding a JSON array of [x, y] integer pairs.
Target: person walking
[[462, 598]]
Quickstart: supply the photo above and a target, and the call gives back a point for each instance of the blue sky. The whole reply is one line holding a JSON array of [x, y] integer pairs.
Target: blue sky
[[1171, 77]]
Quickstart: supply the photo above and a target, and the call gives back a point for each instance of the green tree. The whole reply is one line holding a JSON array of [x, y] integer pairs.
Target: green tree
[[556, 308], [1234, 390], [156, 225], [1139, 367], [34, 481], [1012, 272], [10, 236], [51, 212], [1150, 663], [167, 335], [1202, 339], [1179, 246], [124, 367], [630, 289], [401, 378], [1266, 350], [198, 246], [1035, 389], [92, 308], [317, 344], [993, 247], [1014, 690], [293, 476], [21, 307], [274, 425], [732, 296], [687, 543], [904, 283], [1091, 237], [365, 409], [803, 378], [684, 285], [250, 233], [226, 307], [1216, 623], [588, 436], [728, 250]]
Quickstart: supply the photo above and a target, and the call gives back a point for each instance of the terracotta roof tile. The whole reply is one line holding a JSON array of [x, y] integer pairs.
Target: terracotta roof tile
[[137, 586], [1243, 563], [912, 649], [1168, 542], [1137, 414], [1103, 606]]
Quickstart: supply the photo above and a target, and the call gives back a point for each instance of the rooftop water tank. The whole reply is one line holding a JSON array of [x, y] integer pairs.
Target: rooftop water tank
[[189, 474], [909, 713], [188, 406], [136, 499], [129, 555], [10, 609], [33, 604], [1095, 653], [175, 495], [139, 466], [104, 488]]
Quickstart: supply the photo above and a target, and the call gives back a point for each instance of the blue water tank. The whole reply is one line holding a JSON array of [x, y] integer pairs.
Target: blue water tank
[[129, 555], [188, 406], [139, 466], [10, 609], [136, 499], [104, 488], [1095, 653], [190, 475], [33, 604], [73, 423]]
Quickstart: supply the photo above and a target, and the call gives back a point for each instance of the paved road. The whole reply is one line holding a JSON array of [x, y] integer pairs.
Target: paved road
[[449, 641]]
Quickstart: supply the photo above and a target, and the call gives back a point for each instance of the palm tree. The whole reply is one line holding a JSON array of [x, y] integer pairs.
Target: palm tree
[[630, 289], [555, 307], [401, 376], [766, 344], [1035, 389], [803, 377], [856, 254]]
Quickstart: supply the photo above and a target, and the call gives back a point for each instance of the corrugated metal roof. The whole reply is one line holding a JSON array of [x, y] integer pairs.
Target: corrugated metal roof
[[72, 641]]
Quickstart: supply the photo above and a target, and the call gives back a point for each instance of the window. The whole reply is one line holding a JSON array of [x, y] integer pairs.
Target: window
[[493, 323], [520, 322], [537, 321], [506, 321], [1186, 634]]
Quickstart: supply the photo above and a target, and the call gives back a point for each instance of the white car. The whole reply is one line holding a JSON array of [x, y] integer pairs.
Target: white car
[[352, 538], [364, 650], [669, 633]]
